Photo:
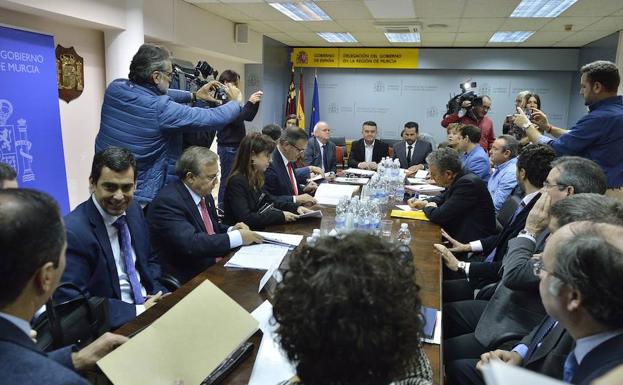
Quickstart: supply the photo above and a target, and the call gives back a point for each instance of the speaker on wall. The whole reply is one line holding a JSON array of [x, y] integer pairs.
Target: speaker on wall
[[241, 33]]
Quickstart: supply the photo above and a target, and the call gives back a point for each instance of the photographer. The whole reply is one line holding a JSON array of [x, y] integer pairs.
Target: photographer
[[229, 138], [520, 101], [474, 113], [531, 104]]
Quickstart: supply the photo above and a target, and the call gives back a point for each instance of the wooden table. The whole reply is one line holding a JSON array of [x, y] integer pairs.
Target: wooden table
[[241, 285]]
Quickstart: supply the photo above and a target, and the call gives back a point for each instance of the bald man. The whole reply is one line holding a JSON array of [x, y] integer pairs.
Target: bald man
[[320, 151]]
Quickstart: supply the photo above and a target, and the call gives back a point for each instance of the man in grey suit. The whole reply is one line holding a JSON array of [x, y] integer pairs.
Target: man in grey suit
[[320, 152], [412, 152]]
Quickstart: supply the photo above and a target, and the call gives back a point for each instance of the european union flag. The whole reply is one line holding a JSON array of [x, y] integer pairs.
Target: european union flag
[[315, 115]]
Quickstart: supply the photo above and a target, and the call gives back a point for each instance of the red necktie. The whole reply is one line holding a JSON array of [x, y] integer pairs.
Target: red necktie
[[295, 189], [205, 215]]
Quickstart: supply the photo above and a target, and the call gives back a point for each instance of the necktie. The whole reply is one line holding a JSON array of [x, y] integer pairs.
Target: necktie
[[540, 335], [205, 215], [570, 367], [491, 255], [125, 241], [325, 162], [295, 190], [409, 156]]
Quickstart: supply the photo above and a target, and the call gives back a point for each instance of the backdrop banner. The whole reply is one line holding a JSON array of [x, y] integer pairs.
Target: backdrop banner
[[30, 127], [393, 58]]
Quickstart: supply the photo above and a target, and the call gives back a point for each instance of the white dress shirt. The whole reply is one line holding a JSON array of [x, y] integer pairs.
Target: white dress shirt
[[21, 324], [369, 149]]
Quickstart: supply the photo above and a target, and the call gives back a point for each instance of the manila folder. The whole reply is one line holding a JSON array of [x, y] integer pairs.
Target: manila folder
[[186, 343]]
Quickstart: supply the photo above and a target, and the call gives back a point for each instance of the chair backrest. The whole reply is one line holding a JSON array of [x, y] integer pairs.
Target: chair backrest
[[338, 140], [508, 209], [391, 151], [339, 156], [428, 138], [390, 142]]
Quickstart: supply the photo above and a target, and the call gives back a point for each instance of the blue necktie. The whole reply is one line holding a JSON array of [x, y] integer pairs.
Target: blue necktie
[[540, 335], [517, 211], [570, 367], [325, 162], [126, 249]]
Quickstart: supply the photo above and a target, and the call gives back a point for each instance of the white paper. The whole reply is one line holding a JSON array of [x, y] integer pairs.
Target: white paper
[[290, 239], [311, 214], [260, 257], [358, 171], [262, 315], [315, 178], [437, 333], [417, 181], [361, 181], [499, 373], [421, 174], [330, 193], [272, 271], [404, 207], [427, 188]]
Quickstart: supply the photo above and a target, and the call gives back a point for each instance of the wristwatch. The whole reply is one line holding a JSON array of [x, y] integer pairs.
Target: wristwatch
[[461, 265], [528, 233]]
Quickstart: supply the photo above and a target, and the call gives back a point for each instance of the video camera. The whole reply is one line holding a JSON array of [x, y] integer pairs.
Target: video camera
[[194, 78], [454, 104]]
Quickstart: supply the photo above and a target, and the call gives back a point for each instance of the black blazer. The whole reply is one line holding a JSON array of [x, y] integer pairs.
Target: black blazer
[[178, 233], [600, 360], [419, 152], [358, 152], [242, 204], [465, 210], [277, 180], [313, 158]]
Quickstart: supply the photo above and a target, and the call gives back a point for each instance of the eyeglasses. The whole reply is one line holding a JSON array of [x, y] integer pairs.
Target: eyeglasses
[[299, 149], [548, 185], [168, 75]]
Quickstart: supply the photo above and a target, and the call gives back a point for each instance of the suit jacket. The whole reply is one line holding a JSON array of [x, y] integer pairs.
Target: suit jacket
[[24, 363], [358, 152], [419, 152], [313, 155], [277, 179], [178, 233], [91, 264], [242, 204], [465, 210], [600, 360]]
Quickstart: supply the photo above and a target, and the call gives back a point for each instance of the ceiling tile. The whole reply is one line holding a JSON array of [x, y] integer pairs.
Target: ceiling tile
[[364, 25], [550, 36], [475, 37], [437, 37], [370, 37], [578, 23], [489, 8], [452, 24], [585, 8], [523, 24], [481, 24], [289, 26], [323, 26], [345, 10], [261, 11], [225, 11], [306, 36], [395, 9], [609, 23], [258, 26], [585, 37], [439, 8]]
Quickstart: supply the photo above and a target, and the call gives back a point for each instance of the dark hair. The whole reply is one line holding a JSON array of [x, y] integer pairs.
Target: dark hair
[[272, 130], [446, 159], [293, 135], [31, 234], [472, 132], [584, 175], [604, 72], [149, 58], [537, 97], [229, 76], [411, 125], [348, 311], [588, 207], [368, 123], [252, 144], [193, 159], [292, 116], [536, 160], [591, 261], [510, 144], [115, 158], [7, 173]]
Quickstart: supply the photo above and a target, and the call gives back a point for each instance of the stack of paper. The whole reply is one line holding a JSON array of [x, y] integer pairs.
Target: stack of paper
[[341, 179], [260, 257], [356, 171], [282, 239], [425, 188], [421, 174], [330, 193], [499, 373]]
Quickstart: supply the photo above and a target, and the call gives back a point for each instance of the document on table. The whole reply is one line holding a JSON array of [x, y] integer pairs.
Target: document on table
[[274, 272], [404, 207], [357, 171], [259, 257], [311, 214], [421, 174], [417, 181], [281, 238], [499, 373], [330, 193], [180, 336], [344, 180], [424, 188]]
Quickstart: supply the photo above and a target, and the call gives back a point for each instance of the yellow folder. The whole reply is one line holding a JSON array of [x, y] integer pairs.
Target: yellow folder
[[417, 214]]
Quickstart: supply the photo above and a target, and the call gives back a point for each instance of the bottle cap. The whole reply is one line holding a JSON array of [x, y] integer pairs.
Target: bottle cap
[[404, 226]]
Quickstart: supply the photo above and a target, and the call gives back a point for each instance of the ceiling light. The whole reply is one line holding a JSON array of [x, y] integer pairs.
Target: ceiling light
[[337, 37], [542, 8], [307, 11], [510, 36], [403, 37]]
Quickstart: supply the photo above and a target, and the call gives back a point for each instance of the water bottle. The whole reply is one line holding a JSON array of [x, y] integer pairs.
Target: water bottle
[[400, 190], [404, 236], [396, 168], [375, 217]]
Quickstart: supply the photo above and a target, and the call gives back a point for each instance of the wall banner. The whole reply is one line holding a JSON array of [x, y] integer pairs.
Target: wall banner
[[394, 58], [30, 127]]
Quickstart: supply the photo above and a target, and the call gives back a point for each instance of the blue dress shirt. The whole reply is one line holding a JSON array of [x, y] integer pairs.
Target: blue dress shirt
[[502, 182]]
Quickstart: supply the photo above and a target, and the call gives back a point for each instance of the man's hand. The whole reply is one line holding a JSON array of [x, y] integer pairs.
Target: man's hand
[[152, 300], [303, 210], [413, 169], [521, 119], [538, 218], [510, 358], [249, 237], [540, 119], [305, 199], [256, 97], [372, 166], [448, 258], [205, 93], [289, 217], [316, 170], [310, 187], [417, 204], [86, 358], [241, 226], [466, 104], [457, 247]]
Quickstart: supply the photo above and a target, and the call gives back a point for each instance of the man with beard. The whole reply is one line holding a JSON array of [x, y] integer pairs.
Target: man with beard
[[412, 152]]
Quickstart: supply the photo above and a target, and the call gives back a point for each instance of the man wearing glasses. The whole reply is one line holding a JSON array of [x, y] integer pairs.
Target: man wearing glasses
[[143, 115], [475, 114], [283, 179], [185, 230]]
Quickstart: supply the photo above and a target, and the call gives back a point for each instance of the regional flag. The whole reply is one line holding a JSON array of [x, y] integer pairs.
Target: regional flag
[[291, 97]]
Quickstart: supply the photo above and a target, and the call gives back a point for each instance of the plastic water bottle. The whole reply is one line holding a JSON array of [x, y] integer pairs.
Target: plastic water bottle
[[395, 168], [404, 236], [400, 190], [375, 217], [340, 214]]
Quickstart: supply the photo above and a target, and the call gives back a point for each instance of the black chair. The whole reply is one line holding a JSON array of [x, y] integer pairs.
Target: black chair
[[338, 140], [507, 211], [391, 142]]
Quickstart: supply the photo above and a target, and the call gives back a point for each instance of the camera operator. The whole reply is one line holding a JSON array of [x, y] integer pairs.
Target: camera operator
[[474, 113], [143, 115], [229, 138]]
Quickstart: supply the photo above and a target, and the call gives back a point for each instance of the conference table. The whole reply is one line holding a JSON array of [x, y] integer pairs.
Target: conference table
[[242, 285]]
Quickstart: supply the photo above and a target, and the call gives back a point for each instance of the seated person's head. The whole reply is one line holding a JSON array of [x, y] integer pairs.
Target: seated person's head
[[322, 132], [503, 149], [348, 311], [292, 143], [444, 165], [533, 165], [585, 207], [410, 132], [272, 130], [469, 136], [453, 134], [574, 175], [197, 167], [253, 158], [292, 121], [369, 131], [8, 176], [113, 179], [33, 242]]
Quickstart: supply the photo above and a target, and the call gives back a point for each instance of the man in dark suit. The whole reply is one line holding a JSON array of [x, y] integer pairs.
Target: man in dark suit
[[33, 258], [367, 152], [108, 249], [465, 209], [320, 151], [412, 152], [185, 230], [283, 179]]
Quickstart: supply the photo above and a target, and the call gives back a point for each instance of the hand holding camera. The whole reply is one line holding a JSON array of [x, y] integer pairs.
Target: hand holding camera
[[207, 91]]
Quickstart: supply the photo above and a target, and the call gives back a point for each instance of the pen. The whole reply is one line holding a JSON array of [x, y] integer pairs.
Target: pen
[[265, 208]]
